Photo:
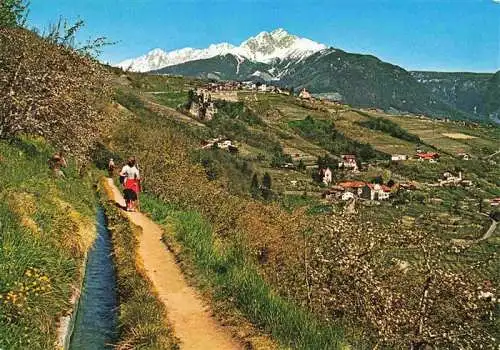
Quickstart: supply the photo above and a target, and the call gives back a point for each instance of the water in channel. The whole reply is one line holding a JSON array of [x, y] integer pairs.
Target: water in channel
[[96, 318]]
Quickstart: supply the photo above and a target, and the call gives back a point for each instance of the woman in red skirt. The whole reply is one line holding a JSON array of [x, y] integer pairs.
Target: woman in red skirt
[[131, 183]]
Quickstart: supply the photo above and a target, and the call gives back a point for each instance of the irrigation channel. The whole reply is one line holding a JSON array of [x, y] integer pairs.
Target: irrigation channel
[[96, 317]]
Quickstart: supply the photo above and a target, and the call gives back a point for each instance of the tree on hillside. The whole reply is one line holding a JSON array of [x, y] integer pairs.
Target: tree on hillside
[[191, 98], [63, 33], [279, 159], [413, 300], [326, 162], [378, 180], [13, 13], [301, 166], [266, 186], [255, 186]]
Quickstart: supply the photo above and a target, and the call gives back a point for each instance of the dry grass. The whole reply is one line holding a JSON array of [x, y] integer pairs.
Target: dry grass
[[83, 230], [458, 136], [23, 205]]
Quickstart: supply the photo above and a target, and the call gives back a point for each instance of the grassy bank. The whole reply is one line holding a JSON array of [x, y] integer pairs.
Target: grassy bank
[[46, 226], [141, 316], [233, 277]]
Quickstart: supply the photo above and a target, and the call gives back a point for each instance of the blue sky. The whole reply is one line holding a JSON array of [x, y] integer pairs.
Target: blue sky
[[444, 35]]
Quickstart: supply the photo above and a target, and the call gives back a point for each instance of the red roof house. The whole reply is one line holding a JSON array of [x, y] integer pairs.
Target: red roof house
[[427, 156]]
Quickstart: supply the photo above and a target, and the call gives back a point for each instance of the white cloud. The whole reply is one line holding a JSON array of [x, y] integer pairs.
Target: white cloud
[[497, 1]]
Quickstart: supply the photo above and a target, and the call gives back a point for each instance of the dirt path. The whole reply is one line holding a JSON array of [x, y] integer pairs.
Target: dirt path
[[492, 155], [190, 318], [490, 231]]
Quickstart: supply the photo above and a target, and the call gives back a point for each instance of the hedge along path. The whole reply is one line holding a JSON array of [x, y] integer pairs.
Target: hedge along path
[[190, 318]]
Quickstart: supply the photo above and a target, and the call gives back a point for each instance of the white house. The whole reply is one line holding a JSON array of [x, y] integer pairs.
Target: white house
[[464, 156], [355, 187], [398, 157], [224, 144], [249, 85], [327, 176], [304, 94], [210, 143], [451, 180], [348, 161], [376, 192]]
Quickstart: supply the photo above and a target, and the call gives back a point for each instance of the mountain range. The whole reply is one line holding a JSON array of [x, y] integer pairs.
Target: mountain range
[[360, 80], [264, 47]]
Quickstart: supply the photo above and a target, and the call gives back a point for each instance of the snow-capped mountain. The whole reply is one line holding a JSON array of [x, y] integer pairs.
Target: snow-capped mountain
[[264, 47]]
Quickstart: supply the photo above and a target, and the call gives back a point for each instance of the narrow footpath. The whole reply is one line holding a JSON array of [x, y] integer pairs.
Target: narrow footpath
[[490, 231], [186, 312]]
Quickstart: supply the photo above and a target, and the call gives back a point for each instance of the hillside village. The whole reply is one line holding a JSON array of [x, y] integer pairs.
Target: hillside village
[[348, 164]]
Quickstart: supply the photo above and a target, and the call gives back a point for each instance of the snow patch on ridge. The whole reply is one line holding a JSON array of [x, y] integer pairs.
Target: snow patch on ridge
[[240, 61]]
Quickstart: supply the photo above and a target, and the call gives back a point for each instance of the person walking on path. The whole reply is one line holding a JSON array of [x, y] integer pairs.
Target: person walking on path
[[57, 162], [131, 184], [111, 168]]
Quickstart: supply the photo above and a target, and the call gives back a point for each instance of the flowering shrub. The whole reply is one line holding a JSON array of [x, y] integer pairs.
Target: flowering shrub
[[50, 91]]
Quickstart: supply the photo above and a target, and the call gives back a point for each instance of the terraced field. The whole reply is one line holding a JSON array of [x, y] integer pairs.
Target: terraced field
[[435, 133], [379, 140]]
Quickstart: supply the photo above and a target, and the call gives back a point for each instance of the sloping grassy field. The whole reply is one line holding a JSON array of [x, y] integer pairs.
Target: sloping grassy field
[[46, 227], [483, 141]]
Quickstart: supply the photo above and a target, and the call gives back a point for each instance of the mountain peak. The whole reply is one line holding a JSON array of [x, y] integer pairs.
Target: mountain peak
[[277, 37], [276, 33], [279, 33], [156, 52], [280, 44], [264, 47]]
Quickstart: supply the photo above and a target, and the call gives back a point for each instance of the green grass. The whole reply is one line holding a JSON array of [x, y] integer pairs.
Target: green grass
[[128, 99], [171, 99], [291, 202], [224, 265], [238, 129], [231, 169], [142, 324], [389, 127], [150, 82], [325, 134], [41, 250], [233, 277], [237, 110]]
